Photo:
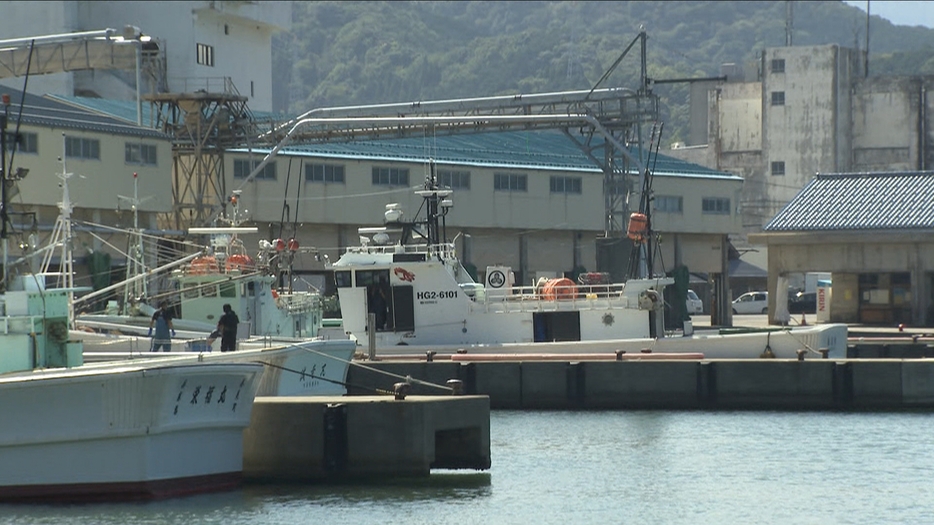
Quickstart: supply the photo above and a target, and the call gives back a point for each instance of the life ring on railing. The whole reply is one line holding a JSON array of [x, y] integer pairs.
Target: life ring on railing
[[240, 262], [559, 289], [203, 265]]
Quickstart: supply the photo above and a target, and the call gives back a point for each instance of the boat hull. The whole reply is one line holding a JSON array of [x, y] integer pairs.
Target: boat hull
[[316, 367], [779, 343], [124, 431]]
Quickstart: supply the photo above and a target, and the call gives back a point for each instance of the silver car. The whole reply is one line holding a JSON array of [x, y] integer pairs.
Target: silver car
[[693, 303], [751, 303]]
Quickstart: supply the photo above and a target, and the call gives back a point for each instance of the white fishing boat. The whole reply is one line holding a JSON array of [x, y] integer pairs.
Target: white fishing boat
[[121, 430], [259, 288], [406, 282], [278, 325], [128, 430]]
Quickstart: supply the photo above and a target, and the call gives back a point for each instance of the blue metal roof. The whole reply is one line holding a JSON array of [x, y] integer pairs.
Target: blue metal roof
[[516, 149], [860, 201], [49, 111]]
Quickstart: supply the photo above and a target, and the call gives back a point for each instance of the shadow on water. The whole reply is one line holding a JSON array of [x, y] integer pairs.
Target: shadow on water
[[253, 502], [440, 485]]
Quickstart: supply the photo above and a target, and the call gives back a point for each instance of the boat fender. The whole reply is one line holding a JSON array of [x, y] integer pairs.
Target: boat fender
[[58, 331], [767, 353], [276, 298], [648, 300]]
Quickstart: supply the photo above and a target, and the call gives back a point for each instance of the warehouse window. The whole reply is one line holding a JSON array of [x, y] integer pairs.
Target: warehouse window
[[79, 148], [326, 173], [242, 169], [778, 98], [669, 204], [454, 179], [778, 168], [205, 54], [510, 182], [27, 143], [566, 185], [144, 154], [778, 65], [390, 176], [716, 206]]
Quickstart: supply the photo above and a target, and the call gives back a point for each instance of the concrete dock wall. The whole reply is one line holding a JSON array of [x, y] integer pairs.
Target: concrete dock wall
[[301, 439], [743, 384]]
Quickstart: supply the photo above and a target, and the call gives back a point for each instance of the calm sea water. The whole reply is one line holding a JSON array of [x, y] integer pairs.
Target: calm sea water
[[608, 467]]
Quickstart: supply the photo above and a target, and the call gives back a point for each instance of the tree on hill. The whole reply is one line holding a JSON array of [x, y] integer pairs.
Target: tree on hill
[[354, 53]]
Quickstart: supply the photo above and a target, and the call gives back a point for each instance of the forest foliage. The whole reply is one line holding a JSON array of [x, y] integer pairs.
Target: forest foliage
[[356, 53]]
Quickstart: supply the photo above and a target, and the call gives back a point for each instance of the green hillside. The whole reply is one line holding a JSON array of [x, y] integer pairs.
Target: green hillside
[[352, 53]]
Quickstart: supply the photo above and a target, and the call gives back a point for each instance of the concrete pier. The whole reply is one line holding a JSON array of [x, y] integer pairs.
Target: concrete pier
[[302, 439], [741, 384]]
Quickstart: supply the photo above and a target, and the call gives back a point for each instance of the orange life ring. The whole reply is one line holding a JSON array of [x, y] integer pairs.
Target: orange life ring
[[203, 265], [559, 289], [239, 261]]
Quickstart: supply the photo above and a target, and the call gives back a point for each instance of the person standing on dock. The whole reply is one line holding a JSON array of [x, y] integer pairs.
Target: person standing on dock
[[227, 326], [162, 321]]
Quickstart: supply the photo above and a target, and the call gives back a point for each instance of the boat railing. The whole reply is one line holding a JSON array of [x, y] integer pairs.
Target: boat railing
[[299, 301], [444, 250], [534, 299]]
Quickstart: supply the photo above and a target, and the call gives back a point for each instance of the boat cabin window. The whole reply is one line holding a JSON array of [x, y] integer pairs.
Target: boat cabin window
[[371, 277], [342, 279], [208, 290], [228, 289], [190, 290]]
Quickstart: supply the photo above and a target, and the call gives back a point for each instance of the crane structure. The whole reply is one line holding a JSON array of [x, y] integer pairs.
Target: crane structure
[[210, 117], [204, 120], [605, 123]]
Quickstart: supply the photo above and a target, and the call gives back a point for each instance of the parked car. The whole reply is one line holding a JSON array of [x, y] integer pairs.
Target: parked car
[[693, 304], [803, 303], [751, 303]]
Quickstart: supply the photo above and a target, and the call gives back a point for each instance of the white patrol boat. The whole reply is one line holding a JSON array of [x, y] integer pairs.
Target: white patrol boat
[[404, 291]]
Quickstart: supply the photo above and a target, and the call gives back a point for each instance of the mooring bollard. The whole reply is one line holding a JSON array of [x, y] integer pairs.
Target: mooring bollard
[[800, 352], [824, 352], [401, 390], [430, 355], [456, 385], [619, 355]]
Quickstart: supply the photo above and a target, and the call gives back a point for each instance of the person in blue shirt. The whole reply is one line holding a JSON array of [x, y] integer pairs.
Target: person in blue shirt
[[162, 321]]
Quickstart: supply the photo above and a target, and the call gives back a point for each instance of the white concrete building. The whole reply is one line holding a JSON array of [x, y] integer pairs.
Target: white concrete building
[[810, 110], [201, 43]]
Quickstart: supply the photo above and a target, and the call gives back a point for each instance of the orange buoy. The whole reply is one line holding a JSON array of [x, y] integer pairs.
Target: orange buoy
[[638, 226], [559, 289]]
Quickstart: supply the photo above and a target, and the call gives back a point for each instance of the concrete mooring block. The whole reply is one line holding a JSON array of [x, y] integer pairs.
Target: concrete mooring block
[[292, 439]]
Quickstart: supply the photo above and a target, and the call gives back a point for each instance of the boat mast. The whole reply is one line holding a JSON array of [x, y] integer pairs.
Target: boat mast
[[135, 289], [62, 236], [4, 215], [437, 206]]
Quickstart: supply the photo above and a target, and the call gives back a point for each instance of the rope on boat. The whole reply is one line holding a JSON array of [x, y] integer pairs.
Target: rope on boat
[[408, 379]]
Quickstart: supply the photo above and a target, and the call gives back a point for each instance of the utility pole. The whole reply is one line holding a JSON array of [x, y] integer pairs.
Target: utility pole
[[866, 67], [4, 214]]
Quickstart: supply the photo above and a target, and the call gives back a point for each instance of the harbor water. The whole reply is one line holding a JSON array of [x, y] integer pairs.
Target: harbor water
[[606, 467]]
